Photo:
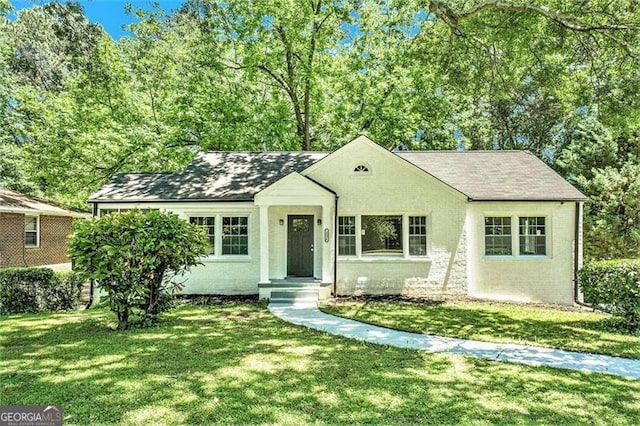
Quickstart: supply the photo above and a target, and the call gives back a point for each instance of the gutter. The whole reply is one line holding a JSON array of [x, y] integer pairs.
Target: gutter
[[335, 249], [576, 254], [43, 212]]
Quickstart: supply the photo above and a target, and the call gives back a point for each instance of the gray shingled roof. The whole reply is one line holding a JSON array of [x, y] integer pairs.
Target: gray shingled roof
[[215, 176], [17, 202], [238, 176], [495, 175]]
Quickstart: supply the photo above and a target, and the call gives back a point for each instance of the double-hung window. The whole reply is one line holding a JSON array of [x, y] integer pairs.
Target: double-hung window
[[235, 235], [417, 235], [347, 235], [500, 237], [208, 225], [497, 236], [31, 231], [533, 240]]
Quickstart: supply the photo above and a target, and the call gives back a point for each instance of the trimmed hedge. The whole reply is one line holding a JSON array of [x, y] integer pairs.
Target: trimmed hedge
[[38, 290], [613, 286]]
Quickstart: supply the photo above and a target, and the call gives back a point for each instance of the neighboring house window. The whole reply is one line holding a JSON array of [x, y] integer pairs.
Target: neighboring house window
[[31, 231], [104, 212], [497, 236], [533, 240], [381, 235], [208, 224], [347, 235], [361, 168], [235, 235], [417, 235]]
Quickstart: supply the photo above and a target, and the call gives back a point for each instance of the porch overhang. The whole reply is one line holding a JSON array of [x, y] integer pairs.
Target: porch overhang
[[295, 190]]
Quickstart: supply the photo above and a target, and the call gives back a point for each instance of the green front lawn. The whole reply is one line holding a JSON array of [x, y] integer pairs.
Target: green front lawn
[[236, 363], [570, 329]]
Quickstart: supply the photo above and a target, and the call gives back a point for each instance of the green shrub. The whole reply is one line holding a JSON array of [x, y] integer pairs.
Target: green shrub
[[64, 293], [134, 257], [613, 286], [38, 290]]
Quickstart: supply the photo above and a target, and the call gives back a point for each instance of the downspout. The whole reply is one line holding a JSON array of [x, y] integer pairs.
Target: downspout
[[576, 253], [91, 282], [335, 249]]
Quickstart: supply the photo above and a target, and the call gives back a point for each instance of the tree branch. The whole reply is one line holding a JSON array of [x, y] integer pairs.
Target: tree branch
[[453, 19]]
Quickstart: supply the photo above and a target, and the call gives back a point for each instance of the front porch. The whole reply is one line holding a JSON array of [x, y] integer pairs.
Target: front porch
[[297, 239]]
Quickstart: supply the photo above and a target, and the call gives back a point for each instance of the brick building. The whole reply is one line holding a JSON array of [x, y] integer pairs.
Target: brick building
[[33, 232]]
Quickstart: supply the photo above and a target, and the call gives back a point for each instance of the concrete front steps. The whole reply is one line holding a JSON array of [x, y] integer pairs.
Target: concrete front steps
[[292, 291]]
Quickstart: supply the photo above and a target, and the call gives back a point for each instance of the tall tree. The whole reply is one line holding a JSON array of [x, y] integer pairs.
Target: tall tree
[[280, 45], [51, 43]]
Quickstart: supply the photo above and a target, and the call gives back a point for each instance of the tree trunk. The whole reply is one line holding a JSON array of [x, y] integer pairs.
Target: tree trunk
[[123, 319]]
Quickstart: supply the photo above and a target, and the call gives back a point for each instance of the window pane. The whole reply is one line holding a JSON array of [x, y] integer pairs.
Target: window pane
[[300, 225], [417, 235], [31, 239], [235, 235], [497, 236], [347, 235], [382, 235], [30, 223], [208, 224], [533, 240]]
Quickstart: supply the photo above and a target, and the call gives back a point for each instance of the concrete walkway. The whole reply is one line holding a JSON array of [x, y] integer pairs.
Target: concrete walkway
[[310, 316]]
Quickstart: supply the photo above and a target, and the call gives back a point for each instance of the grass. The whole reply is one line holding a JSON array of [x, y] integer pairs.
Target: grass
[[569, 329], [236, 363]]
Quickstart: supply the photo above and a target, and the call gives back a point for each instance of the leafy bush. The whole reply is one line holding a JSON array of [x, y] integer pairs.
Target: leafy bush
[[38, 290], [134, 257], [64, 292], [613, 286]]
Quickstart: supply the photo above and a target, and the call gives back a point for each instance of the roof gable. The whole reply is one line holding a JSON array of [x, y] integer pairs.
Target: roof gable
[[294, 189]]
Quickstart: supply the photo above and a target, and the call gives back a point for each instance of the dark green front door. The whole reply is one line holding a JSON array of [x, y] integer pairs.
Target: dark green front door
[[300, 246]]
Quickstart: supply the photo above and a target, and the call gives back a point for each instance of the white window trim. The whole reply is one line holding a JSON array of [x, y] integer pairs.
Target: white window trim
[[515, 237], [217, 255], [37, 231], [405, 238]]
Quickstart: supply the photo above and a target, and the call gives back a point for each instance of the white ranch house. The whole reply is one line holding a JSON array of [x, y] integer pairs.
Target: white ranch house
[[365, 220]]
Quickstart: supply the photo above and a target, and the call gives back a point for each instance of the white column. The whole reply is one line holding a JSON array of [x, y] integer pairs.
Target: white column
[[327, 230], [264, 244]]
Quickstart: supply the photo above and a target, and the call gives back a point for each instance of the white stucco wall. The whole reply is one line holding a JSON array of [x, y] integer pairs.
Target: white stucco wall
[[218, 274], [455, 262], [524, 278], [396, 187]]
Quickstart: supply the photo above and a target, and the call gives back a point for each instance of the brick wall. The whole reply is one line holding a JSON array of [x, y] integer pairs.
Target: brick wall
[[53, 241]]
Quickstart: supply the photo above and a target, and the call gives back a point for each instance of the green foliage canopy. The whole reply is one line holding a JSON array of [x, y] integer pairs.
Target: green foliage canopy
[[79, 107]]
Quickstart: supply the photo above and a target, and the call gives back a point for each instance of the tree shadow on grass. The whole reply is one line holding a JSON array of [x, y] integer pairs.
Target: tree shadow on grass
[[239, 364]]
